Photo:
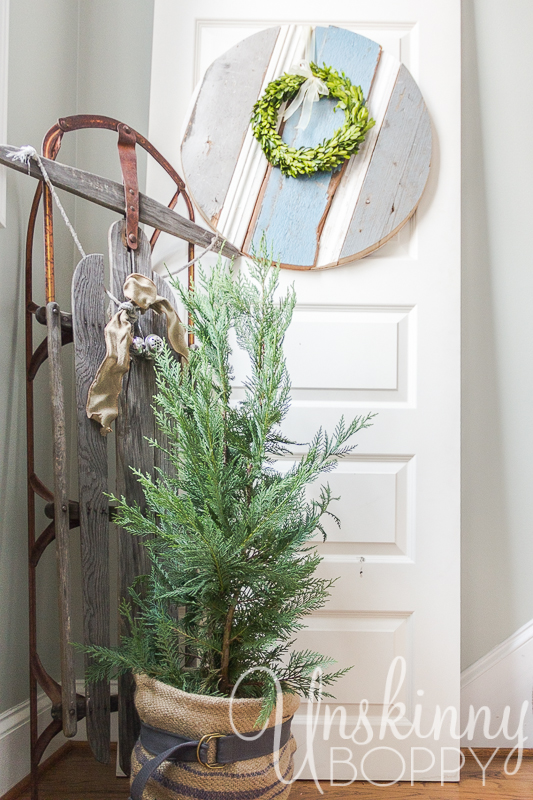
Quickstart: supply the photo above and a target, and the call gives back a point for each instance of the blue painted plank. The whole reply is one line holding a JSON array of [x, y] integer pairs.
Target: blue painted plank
[[348, 52], [292, 209]]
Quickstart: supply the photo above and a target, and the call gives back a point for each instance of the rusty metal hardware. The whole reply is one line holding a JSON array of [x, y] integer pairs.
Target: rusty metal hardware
[[66, 318], [50, 149], [128, 164]]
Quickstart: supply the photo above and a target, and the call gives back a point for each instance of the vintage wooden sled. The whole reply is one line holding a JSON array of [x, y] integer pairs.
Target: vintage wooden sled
[[130, 251]]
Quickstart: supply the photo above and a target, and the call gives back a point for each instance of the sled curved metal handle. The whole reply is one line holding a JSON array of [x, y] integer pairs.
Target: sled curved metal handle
[[50, 148]]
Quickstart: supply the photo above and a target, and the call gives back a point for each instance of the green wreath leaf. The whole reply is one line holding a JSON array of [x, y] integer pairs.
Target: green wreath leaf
[[330, 153]]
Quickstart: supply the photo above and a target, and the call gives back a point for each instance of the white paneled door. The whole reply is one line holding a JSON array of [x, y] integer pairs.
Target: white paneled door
[[380, 334]]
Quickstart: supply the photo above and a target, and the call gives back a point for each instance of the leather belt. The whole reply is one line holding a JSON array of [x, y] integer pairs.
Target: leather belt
[[166, 746]]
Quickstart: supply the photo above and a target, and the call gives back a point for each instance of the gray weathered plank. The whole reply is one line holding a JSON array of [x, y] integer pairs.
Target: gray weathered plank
[[61, 520], [221, 117], [88, 309], [135, 421], [110, 194], [397, 174]]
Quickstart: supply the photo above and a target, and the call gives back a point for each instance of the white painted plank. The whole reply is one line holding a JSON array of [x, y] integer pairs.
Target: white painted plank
[[349, 189]]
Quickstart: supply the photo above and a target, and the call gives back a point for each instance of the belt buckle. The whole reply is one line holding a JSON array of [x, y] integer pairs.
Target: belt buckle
[[208, 737]]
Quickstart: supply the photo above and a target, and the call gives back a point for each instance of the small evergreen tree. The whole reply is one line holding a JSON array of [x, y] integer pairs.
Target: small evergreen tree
[[229, 535]]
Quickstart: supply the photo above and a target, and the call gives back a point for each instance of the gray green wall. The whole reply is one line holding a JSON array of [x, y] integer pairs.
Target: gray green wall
[[42, 86], [65, 57], [497, 430]]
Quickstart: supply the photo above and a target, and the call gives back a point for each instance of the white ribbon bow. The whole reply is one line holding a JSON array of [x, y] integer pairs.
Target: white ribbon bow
[[309, 93]]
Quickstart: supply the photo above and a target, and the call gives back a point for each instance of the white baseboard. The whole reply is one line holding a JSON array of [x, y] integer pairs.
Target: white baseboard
[[502, 678], [15, 737], [15, 741]]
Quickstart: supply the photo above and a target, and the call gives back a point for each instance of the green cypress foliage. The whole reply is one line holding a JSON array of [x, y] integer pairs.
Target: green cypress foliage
[[230, 536]]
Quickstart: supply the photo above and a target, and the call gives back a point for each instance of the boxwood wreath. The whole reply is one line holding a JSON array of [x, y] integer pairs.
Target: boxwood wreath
[[330, 153]]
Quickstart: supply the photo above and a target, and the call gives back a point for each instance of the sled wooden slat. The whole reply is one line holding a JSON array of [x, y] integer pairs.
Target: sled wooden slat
[[61, 520], [135, 422], [295, 235], [88, 308], [110, 194]]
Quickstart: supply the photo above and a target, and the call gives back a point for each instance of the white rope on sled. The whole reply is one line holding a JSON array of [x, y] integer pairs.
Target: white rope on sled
[[210, 247], [24, 154]]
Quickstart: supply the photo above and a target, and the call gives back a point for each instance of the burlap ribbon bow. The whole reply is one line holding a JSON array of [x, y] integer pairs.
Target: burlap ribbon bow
[[102, 400]]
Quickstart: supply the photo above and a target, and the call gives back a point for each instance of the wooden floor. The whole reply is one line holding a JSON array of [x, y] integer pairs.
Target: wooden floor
[[76, 776]]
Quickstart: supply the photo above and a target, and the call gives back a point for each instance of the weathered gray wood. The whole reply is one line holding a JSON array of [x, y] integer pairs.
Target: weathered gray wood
[[135, 421], [110, 194], [221, 117], [397, 174], [61, 520], [88, 310]]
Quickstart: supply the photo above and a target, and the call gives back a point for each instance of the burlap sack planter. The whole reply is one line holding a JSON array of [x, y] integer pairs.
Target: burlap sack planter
[[193, 716]]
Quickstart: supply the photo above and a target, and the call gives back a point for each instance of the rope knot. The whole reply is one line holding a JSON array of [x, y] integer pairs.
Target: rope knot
[[132, 311], [24, 154]]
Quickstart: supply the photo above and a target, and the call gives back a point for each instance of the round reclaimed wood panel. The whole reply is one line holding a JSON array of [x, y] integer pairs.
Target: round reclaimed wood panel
[[321, 220]]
